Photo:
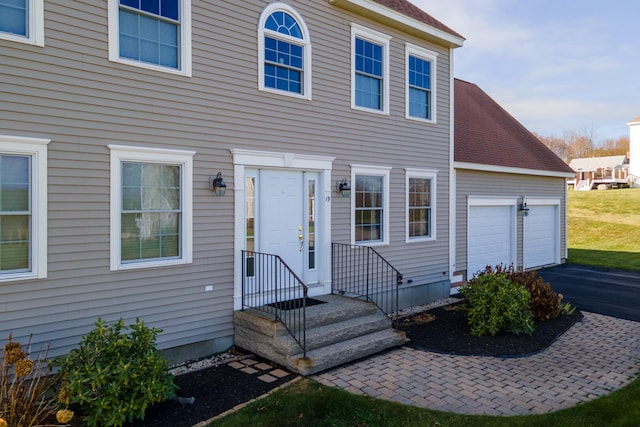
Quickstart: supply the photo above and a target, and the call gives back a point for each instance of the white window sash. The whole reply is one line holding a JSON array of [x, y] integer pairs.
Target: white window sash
[[427, 55], [35, 25], [183, 158], [185, 55], [430, 174], [384, 172], [360, 32], [36, 148]]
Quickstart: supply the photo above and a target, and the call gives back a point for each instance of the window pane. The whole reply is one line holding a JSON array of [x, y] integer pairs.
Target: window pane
[[170, 9], [151, 6], [419, 207], [419, 88], [14, 17], [283, 23], [283, 65], [153, 190], [368, 92], [368, 202], [311, 232], [14, 242], [149, 39], [14, 183]]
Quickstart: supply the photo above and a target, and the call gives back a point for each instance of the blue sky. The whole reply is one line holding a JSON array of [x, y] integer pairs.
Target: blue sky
[[558, 66]]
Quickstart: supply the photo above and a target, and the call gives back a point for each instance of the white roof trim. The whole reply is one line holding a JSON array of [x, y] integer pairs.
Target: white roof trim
[[400, 18], [509, 169]]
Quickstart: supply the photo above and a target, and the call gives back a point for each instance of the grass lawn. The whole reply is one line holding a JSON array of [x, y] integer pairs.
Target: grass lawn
[[604, 228]]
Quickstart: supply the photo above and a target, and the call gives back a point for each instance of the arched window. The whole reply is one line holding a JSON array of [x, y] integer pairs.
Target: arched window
[[284, 52]]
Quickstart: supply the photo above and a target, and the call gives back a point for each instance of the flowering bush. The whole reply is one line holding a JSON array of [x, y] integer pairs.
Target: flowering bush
[[114, 376], [24, 383]]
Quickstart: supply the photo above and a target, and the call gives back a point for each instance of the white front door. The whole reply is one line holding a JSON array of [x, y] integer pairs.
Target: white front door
[[281, 206]]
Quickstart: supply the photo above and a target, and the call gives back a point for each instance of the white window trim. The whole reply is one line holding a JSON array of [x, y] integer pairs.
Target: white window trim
[[432, 175], [122, 153], [36, 148], [384, 172], [427, 55], [185, 41], [306, 43], [35, 24], [358, 31]]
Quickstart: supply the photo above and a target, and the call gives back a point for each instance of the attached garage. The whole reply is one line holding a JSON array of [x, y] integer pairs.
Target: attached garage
[[541, 242], [498, 166], [491, 233]]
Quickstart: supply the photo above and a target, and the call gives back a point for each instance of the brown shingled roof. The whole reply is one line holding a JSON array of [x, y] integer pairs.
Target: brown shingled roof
[[413, 11], [487, 134]]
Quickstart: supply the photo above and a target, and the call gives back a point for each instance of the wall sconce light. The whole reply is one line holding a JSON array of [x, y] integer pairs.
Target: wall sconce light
[[217, 185], [343, 188], [523, 209]]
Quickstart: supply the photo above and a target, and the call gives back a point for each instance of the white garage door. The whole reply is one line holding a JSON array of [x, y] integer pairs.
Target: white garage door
[[491, 237], [541, 236]]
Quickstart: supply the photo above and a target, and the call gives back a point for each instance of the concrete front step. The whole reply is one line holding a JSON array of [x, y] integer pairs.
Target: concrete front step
[[341, 330], [339, 353]]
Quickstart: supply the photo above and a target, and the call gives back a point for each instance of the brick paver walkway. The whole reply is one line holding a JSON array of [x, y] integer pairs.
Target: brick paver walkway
[[596, 356]]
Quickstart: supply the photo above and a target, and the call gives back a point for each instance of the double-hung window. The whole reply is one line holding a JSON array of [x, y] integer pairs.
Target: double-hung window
[[22, 21], [370, 69], [370, 204], [420, 94], [151, 33], [23, 208], [420, 208], [284, 52], [151, 207]]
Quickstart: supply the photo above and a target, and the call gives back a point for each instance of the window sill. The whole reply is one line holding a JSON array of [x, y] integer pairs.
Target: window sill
[[149, 264]]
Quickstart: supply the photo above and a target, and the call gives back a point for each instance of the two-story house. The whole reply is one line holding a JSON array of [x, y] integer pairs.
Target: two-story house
[[121, 123]]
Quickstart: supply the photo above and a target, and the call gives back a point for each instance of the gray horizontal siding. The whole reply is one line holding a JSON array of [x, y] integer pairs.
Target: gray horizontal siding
[[69, 92], [476, 183]]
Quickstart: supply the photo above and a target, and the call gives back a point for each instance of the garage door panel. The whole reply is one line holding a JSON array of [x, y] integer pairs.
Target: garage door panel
[[541, 239], [490, 237]]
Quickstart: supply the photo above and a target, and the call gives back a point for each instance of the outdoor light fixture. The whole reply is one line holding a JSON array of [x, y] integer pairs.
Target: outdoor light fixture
[[343, 188], [217, 185], [523, 209]]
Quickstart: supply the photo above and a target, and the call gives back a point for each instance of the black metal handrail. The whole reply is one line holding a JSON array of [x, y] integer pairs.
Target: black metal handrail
[[360, 271], [270, 286]]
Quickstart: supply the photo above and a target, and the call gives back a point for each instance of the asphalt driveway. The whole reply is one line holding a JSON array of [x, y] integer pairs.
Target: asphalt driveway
[[605, 291]]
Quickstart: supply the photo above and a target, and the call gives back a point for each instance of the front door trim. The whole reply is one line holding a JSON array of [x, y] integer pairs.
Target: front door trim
[[243, 159]]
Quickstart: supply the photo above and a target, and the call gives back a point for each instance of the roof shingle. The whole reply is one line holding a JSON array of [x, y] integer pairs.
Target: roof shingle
[[487, 134], [409, 9]]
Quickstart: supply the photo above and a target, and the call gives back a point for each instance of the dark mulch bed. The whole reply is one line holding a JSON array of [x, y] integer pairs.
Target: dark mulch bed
[[215, 390], [445, 330]]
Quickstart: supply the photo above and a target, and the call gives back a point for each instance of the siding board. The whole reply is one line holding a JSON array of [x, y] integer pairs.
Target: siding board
[[70, 92]]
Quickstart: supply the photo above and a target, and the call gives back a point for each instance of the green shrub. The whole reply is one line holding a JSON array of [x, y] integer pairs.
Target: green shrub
[[113, 376], [494, 304], [24, 383], [545, 303]]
